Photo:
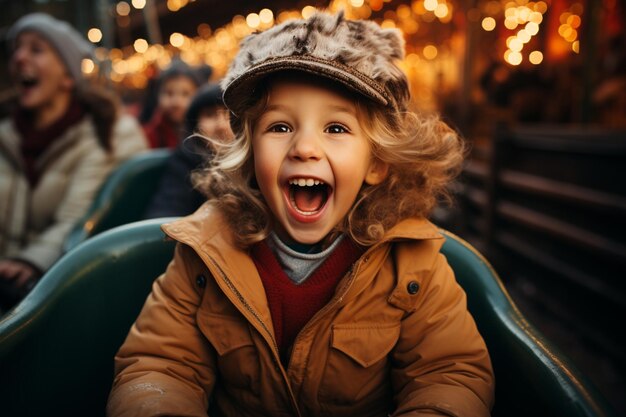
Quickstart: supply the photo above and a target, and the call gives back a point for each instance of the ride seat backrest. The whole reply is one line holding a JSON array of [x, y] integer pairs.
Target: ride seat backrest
[[123, 198]]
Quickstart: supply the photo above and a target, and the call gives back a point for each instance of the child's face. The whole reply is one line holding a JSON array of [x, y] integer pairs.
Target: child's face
[[38, 71], [214, 122], [175, 96], [311, 158]]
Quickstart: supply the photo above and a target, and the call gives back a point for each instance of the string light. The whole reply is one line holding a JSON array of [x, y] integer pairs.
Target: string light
[[532, 28], [177, 40], [527, 16], [403, 12], [515, 58], [441, 10], [570, 22], [176, 5], [488, 24], [122, 8], [139, 4], [523, 36], [535, 57], [266, 16], [253, 20], [87, 66], [140, 45], [388, 24], [430, 52], [308, 11], [94, 35], [217, 47], [430, 5]]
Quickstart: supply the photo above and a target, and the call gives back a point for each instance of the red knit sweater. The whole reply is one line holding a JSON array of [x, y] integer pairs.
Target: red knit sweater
[[291, 305]]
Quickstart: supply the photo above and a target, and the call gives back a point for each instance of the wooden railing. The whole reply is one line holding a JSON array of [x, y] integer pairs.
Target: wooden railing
[[548, 206]]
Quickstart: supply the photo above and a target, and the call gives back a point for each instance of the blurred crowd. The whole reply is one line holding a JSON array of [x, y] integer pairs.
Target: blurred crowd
[[64, 135], [554, 93]]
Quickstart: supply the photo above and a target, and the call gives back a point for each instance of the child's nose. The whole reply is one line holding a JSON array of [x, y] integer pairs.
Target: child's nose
[[305, 147]]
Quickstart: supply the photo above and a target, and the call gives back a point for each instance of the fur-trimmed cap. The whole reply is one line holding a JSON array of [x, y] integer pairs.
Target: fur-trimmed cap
[[356, 53]]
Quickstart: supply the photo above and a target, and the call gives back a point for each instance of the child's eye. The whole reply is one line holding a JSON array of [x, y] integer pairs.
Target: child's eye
[[337, 128], [279, 128]]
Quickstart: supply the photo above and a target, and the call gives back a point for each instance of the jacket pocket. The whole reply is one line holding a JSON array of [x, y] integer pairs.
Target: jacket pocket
[[365, 344], [357, 368], [237, 356]]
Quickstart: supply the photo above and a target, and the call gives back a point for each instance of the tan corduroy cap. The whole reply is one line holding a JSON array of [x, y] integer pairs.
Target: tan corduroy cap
[[356, 53]]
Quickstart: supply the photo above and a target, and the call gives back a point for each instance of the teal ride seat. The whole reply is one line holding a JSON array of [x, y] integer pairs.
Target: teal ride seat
[[57, 346], [123, 198], [532, 377]]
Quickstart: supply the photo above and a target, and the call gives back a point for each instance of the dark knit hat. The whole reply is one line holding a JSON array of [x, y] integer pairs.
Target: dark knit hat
[[70, 45], [178, 68], [359, 54]]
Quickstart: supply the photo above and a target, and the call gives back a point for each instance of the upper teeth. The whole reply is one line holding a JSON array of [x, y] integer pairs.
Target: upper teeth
[[305, 182]]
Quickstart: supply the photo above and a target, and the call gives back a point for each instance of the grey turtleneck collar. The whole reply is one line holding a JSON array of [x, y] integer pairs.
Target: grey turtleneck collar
[[299, 266]]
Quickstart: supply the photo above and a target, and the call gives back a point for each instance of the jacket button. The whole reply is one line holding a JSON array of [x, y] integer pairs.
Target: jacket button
[[413, 287], [201, 281]]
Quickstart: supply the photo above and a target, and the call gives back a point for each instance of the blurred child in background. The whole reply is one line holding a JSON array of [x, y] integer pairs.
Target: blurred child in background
[[176, 87], [208, 117]]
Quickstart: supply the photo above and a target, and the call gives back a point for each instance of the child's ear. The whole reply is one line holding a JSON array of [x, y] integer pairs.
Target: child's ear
[[376, 172]]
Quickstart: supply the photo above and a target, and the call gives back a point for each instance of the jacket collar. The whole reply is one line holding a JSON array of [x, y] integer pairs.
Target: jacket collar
[[208, 234], [415, 229], [10, 142], [207, 227]]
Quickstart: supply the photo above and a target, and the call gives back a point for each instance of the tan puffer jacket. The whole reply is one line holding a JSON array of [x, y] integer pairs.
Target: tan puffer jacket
[[396, 339]]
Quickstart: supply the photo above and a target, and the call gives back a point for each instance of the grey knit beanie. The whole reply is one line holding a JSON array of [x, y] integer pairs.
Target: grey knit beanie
[[359, 54], [71, 46]]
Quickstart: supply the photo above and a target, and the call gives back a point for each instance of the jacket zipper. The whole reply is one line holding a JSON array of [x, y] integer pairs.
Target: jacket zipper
[[249, 308]]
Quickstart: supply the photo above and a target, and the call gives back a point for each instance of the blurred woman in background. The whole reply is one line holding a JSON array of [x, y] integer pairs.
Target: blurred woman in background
[[60, 144]]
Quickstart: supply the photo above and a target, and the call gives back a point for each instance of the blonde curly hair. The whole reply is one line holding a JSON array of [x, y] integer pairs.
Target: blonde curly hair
[[422, 152]]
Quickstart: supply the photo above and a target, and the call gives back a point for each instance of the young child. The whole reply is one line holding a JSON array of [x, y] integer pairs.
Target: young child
[[311, 283], [176, 88], [206, 116]]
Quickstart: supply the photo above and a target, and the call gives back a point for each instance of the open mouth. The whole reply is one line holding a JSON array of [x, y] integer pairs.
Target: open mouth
[[28, 82], [308, 196]]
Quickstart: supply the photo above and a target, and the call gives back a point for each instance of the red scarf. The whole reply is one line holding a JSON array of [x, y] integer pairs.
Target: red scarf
[[161, 132], [291, 305], [34, 142]]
